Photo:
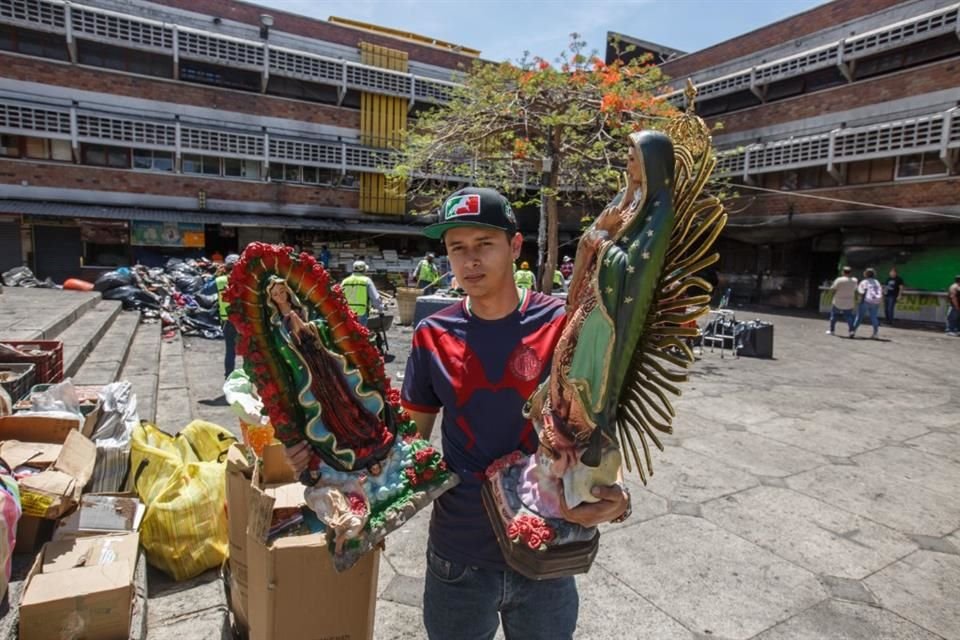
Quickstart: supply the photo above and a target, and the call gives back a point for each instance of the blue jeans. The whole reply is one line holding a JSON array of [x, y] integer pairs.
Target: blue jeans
[[889, 307], [871, 309], [953, 320], [230, 348], [848, 315], [468, 603]]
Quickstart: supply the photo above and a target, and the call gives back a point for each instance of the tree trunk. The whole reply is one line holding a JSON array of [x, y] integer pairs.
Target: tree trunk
[[549, 265]]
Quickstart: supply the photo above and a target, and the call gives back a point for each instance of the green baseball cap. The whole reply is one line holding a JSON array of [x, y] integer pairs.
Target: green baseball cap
[[474, 207]]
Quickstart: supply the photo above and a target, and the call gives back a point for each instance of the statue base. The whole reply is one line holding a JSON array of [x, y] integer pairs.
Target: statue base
[[536, 545]]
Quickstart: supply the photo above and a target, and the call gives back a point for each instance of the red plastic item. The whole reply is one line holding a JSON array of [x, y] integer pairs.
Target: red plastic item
[[77, 284], [48, 359]]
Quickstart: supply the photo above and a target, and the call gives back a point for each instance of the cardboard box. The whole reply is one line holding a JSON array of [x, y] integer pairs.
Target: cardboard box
[[32, 532], [81, 588], [57, 489], [291, 589], [100, 514]]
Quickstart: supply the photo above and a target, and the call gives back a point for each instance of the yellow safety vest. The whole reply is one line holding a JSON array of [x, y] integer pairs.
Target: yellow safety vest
[[557, 279], [524, 279], [224, 306], [427, 272], [355, 291]]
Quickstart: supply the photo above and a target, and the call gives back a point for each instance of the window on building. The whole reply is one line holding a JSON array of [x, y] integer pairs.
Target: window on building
[[789, 180], [102, 155], [920, 165], [866, 171], [9, 146], [34, 43], [280, 172], [152, 160], [195, 163], [45, 149], [237, 168]]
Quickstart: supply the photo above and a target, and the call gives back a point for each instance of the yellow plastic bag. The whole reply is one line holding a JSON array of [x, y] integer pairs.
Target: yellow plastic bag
[[181, 480]]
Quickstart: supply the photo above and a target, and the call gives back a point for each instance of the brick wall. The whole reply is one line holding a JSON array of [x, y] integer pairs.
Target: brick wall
[[798, 26], [921, 194], [318, 29], [66, 176], [911, 82], [86, 79]]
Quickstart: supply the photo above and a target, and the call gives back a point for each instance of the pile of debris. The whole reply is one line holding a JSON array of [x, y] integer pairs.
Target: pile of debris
[[182, 295]]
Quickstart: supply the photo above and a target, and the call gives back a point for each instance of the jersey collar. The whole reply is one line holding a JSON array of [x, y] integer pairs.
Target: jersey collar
[[523, 294]]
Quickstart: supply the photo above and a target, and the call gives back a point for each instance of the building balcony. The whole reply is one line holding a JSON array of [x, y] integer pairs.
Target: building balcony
[[180, 44], [843, 55], [937, 133]]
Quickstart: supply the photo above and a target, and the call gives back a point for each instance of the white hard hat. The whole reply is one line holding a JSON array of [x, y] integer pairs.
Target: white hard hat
[[359, 265]]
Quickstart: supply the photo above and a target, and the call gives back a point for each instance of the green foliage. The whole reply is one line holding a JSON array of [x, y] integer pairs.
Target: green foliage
[[505, 118]]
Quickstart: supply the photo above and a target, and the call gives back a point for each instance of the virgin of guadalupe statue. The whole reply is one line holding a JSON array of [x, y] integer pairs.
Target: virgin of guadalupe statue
[[322, 381], [343, 415], [619, 352]]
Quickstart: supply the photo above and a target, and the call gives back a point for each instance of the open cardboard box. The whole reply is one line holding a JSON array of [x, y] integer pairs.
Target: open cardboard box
[[101, 514], [81, 588], [66, 457], [287, 587]]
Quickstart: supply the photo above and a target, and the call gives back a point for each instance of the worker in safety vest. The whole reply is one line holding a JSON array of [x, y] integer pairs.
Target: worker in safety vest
[[360, 292], [426, 274], [559, 284], [524, 277], [223, 307]]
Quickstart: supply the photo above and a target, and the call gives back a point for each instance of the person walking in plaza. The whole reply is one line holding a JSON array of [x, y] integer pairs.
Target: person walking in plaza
[[844, 297], [892, 290], [476, 362], [361, 293], [524, 278], [871, 295], [426, 274], [953, 307], [223, 308]]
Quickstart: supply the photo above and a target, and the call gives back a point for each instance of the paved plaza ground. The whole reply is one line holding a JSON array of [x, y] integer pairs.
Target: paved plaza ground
[[811, 496]]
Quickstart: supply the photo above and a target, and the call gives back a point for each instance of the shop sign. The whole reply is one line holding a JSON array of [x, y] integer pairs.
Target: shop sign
[[167, 234]]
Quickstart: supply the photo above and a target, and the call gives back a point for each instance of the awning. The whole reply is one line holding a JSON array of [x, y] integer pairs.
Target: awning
[[284, 221]]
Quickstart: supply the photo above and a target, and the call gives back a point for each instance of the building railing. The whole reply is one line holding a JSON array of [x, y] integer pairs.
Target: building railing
[[935, 132], [842, 54], [86, 126], [77, 21]]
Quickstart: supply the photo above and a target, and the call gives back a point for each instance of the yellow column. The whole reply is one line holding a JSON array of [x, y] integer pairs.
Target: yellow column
[[382, 118]]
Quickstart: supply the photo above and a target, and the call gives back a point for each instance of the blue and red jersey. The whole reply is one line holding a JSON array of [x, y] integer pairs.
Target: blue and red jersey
[[480, 372]]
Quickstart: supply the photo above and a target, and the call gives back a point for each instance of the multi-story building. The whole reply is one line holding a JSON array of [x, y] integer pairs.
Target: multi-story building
[[840, 134], [133, 130]]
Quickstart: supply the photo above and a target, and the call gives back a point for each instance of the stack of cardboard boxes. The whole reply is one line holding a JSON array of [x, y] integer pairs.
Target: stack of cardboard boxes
[[82, 584], [286, 586]]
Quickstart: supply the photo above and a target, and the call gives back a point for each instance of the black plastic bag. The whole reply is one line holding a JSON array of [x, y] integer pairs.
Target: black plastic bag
[[132, 298], [112, 280]]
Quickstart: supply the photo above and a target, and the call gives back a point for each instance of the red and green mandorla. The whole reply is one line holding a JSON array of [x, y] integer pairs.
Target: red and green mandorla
[[319, 377]]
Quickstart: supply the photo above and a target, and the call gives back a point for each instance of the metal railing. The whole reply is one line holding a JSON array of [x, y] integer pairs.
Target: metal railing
[[842, 54], [86, 126], [935, 132], [82, 22]]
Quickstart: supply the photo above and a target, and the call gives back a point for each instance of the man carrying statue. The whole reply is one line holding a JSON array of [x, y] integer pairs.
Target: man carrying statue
[[554, 394]]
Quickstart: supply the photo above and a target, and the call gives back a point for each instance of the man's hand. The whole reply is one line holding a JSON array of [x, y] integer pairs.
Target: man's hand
[[612, 504], [299, 456]]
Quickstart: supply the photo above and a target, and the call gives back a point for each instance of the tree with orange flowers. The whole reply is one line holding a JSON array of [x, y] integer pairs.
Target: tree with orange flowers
[[543, 133]]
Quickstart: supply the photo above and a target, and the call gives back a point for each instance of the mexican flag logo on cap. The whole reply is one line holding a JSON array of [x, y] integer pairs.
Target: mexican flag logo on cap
[[465, 205]]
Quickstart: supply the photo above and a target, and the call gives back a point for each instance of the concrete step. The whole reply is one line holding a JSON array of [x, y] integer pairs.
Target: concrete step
[[142, 369], [41, 314], [81, 337], [103, 365]]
